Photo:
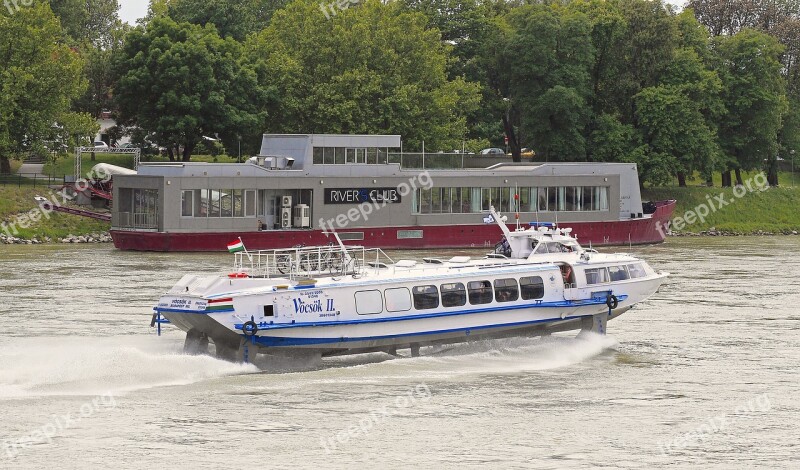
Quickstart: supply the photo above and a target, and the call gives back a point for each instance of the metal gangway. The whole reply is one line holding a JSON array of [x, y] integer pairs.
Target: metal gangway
[[301, 262]]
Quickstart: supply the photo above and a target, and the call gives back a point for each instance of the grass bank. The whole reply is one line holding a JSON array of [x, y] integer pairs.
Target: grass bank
[[16, 201], [776, 210]]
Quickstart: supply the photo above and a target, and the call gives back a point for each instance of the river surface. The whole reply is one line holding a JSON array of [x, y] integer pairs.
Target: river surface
[[704, 374]]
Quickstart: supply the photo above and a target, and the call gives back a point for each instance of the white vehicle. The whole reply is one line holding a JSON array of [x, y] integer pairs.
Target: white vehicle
[[100, 145], [332, 300]]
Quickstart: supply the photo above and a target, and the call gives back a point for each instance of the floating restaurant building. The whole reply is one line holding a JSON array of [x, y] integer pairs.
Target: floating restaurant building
[[373, 194]]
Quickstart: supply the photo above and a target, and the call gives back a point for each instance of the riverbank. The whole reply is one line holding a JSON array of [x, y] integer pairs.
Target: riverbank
[[775, 211], [16, 202]]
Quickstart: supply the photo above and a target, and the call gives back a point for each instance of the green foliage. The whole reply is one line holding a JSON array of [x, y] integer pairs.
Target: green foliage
[[773, 210], [66, 165], [545, 69], [754, 96], [597, 80], [39, 79], [371, 68], [196, 84], [92, 22], [16, 201], [233, 18], [612, 140]]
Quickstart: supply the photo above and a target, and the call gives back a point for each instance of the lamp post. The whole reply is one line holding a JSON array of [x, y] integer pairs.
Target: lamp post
[[791, 153], [239, 158]]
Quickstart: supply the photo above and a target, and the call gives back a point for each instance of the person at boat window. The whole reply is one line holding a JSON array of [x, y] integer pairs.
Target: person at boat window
[[480, 292], [566, 274]]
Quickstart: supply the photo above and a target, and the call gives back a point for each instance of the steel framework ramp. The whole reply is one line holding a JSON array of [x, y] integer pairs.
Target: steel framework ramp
[[48, 206]]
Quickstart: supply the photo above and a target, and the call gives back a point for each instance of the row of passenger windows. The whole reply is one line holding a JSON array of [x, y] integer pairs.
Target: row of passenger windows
[[614, 273], [528, 199], [454, 294]]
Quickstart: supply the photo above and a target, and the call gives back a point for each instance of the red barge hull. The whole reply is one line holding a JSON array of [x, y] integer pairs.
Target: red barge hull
[[621, 232]]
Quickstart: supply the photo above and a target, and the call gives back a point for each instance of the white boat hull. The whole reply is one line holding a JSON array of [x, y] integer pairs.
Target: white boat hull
[[352, 333]]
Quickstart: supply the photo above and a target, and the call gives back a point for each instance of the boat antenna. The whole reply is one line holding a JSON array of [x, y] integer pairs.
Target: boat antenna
[[500, 221], [516, 204]]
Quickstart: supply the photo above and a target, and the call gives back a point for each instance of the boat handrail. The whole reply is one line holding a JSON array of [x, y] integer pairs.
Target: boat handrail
[[307, 261]]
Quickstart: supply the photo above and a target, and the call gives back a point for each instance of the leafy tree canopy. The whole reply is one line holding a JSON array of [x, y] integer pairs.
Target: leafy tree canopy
[[180, 82], [371, 68], [38, 81], [233, 18]]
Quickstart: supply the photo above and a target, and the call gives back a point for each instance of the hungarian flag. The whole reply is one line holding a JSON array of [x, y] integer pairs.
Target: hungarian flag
[[233, 247]]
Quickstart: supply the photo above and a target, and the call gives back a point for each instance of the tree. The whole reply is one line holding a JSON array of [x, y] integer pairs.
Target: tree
[[39, 79], [371, 68], [645, 50], [97, 70], [88, 21], [754, 95], [472, 29], [546, 65], [233, 18], [779, 18], [675, 131], [195, 84], [728, 17]]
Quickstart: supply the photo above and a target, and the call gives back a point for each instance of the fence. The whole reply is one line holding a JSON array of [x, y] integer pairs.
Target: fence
[[31, 179], [446, 161], [138, 220]]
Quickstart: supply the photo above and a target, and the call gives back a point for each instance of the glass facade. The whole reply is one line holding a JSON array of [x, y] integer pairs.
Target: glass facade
[[348, 155], [544, 199], [218, 203]]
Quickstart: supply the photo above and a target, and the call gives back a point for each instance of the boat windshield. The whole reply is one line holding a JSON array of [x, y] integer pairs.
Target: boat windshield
[[554, 247]]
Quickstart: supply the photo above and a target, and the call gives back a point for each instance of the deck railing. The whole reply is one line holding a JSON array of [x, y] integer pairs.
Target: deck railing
[[306, 262], [138, 220]]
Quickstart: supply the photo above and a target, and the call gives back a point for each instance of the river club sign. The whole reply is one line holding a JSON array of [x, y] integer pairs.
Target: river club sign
[[360, 196]]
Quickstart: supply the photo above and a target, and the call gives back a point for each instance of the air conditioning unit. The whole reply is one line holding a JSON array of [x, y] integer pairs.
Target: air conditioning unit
[[302, 216], [286, 217], [286, 201]]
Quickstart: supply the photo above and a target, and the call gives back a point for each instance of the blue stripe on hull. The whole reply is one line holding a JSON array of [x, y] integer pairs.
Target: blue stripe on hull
[[277, 326], [560, 304], [278, 341]]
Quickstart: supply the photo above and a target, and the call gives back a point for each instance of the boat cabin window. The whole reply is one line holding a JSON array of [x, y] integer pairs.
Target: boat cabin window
[[480, 292], [269, 310], [426, 297], [552, 247], [454, 295], [506, 290], [531, 287], [397, 300], [636, 270], [596, 276], [369, 302], [618, 273]]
